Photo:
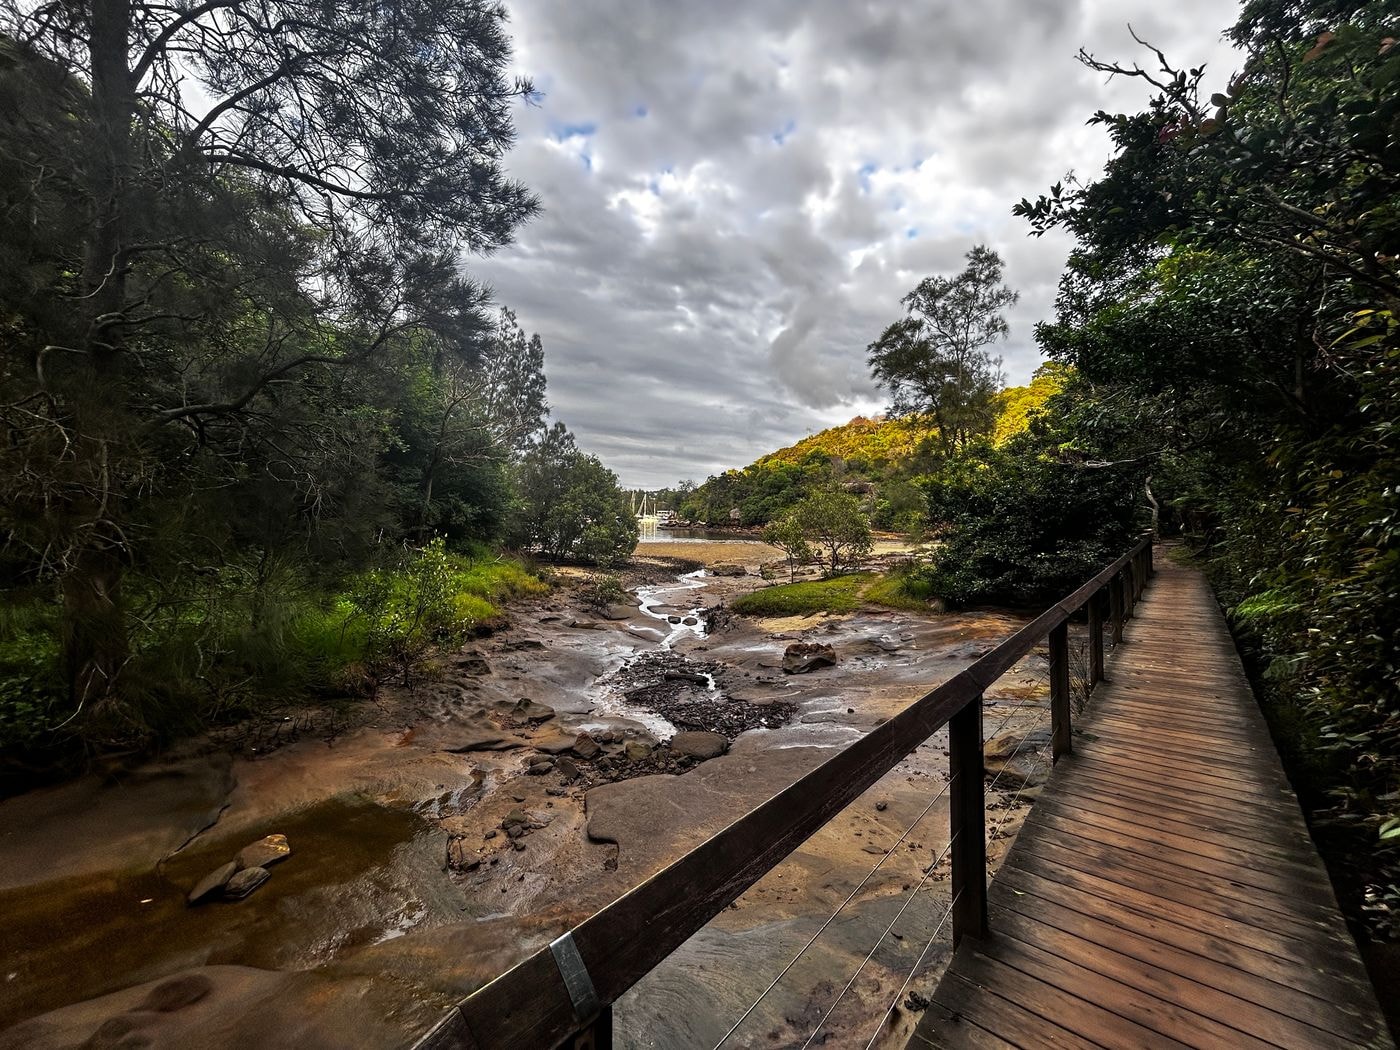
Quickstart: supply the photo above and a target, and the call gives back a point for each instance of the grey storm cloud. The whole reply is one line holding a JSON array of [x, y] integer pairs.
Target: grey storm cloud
[[737, 194]]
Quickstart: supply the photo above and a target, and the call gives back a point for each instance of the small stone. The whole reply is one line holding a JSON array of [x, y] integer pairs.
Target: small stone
[[636, 751], [538, 768], [490, 834], [212, 883], [701, 745], [586, 747], [802, 657], [567, 768], [882, 806], [245, 882], [264, 853]]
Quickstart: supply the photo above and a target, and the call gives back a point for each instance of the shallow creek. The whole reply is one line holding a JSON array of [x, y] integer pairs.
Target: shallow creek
[[366, 895]]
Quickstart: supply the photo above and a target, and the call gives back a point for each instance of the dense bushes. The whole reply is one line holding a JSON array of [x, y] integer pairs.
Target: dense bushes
[[1018, 526], [219, 651]]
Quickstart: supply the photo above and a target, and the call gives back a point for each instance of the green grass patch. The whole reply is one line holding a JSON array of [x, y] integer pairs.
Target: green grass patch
[[900, 591], [840, 594], [905, 590]]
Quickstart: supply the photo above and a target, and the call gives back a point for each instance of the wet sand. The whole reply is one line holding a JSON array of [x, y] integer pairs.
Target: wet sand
[[407, 887]]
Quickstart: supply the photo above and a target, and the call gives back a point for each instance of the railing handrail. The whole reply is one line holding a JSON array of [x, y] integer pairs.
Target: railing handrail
[[531, 1006]]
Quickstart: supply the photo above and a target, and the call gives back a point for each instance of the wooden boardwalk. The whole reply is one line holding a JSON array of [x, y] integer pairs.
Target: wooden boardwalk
[[1164, 891]]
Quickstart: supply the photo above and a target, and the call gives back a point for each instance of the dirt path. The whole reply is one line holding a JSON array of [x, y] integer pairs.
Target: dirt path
[[460, 826]]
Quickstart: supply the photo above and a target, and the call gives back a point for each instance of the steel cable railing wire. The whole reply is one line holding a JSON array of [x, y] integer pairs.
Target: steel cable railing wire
[[833, 916], [881, 940], [918, 963], [1004, 723]]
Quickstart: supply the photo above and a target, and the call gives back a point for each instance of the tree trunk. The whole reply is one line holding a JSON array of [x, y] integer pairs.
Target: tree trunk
[[95, 640]]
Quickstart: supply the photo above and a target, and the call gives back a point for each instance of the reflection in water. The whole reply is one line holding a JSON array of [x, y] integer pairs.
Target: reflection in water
[[359, 873]]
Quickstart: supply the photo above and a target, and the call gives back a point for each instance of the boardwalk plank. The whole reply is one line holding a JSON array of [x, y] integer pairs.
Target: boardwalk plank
[[1164, 890]]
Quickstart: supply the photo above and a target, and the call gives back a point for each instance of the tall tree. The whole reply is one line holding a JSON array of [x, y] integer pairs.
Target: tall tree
[[216, 206], [571, 506], [935, 360]]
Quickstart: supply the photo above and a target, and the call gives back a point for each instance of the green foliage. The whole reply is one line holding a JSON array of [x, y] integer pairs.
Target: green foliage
[[836, 529], [873, 441], [905, 587], [570, 504], [787, 535], [1016, 406], [934, 361], [1020, 527], [839, 594], [1230, 310]]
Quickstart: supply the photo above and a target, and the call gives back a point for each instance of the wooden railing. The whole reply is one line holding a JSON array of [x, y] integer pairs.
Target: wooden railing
[[562, 995]]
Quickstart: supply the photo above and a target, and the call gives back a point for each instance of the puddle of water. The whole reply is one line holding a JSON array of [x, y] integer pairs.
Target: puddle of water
[[359, 873]]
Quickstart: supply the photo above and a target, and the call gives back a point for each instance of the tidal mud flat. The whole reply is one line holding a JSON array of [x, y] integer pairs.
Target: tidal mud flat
[[448, 831]]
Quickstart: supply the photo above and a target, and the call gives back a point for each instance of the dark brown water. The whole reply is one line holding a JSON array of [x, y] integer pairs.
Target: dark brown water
[[359, 873]]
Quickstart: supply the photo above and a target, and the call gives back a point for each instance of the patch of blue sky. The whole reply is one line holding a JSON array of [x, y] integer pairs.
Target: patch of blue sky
[[867, 170], [640, 111], [564, 131], [785, 132], [911, 233]]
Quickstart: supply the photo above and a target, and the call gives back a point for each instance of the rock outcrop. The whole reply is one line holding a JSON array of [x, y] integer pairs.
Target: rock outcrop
[[802, 657]]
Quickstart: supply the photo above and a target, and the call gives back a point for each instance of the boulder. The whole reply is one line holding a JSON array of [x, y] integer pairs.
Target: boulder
[[728, 570], [1004, 745], [486, 740], [212, 883], [264, 853], [618, 612], [1013, 761], [245, 882], [697, 744], [540, 766], [802, 657], [568, 769], [554, 743], [636, 751], [586, 747]]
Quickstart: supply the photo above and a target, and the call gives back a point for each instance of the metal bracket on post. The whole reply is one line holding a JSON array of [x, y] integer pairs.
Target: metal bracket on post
[[594, 1019]]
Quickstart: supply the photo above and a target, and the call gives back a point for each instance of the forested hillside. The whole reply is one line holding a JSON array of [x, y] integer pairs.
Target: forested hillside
[[889, 460]]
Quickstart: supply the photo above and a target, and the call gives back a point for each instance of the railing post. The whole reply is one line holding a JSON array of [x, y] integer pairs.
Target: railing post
[[1061, 743], [967, 818], [1115, 608], [1095, 607], [1151, 568]]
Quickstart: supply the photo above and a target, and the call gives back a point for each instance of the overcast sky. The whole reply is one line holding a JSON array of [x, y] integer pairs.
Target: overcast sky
[[737, 193]]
